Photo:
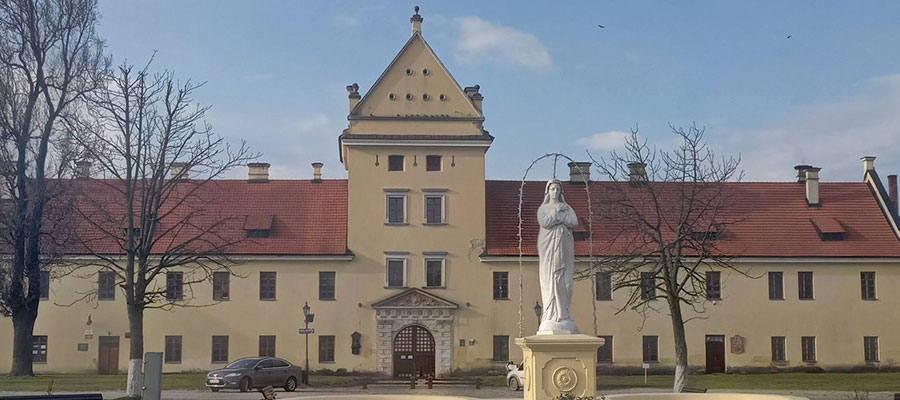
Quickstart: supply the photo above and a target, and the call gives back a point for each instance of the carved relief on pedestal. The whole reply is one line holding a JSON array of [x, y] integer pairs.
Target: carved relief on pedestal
[[565, 379]]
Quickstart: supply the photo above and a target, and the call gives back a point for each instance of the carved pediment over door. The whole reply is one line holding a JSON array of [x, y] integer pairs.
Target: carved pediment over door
[[415, 298]]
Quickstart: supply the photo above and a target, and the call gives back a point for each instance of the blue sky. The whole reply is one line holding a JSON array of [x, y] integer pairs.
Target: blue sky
[[552, 79]]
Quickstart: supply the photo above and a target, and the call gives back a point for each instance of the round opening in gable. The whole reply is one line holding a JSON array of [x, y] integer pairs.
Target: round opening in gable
[[409, 71], [443, 97], [392, 96], [426, 97], [409, 96], [426, 72]]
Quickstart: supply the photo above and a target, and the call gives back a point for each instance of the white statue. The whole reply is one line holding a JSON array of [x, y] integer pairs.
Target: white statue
[[556, 252]]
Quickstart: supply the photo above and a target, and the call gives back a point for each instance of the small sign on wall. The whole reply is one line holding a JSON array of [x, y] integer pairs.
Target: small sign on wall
[[737, 344], [82, 347], [88, 334]]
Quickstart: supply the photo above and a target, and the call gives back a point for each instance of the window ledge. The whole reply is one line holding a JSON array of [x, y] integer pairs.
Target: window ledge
[[806, 299], [501, 298], [331, 299], [326, 362], [396, 223], [434, 223], [225, 299], [434, 287], [172, 362], [268, 299], [875, 299], [651, 362]]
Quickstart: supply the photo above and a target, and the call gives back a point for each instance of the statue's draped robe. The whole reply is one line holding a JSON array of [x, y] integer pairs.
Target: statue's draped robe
[[556, 251]]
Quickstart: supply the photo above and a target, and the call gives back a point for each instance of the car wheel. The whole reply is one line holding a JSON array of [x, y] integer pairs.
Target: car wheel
[[514, 384], [245, 384], [290, 385], [214, 389]]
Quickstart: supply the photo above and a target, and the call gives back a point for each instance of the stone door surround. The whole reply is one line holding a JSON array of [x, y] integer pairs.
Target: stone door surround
[[414, 307]]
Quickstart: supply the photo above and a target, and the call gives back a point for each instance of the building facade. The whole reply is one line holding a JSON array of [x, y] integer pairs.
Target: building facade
[[412, 264]]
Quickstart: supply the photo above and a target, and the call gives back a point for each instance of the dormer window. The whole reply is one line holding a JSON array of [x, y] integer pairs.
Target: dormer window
[[258, 226], [395, 163], [829, 229]]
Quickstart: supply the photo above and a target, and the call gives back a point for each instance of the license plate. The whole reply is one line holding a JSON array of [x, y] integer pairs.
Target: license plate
[[214, 381]]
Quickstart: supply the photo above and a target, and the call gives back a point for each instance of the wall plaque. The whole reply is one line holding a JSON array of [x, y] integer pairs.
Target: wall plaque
[[737, 344]]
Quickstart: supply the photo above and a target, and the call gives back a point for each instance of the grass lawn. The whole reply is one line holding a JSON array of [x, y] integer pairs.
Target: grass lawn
[[870, 382], [848, 382], [97, 383]]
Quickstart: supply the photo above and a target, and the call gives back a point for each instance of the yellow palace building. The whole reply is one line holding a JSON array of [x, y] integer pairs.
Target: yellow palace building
[[412, 263]]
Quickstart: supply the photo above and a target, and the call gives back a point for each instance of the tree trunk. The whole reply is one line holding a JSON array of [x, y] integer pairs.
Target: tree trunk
[[136, 352], [681, 350], [23, 329]]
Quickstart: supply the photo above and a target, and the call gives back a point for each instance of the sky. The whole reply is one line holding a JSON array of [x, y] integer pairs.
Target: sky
[[777, 83]]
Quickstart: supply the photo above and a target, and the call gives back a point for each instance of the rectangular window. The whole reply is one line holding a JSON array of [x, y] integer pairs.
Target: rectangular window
[[434, 272], [45, 285], [267, 346], [501, 348], [501, 285], [808, 346], [432, 163], [651, 348], [267, 285], [396, 272], [395, 163], [434, 209], [257, 233], [326, 348], [778, 352], [776, 285], [173, 349], [39, 349], [221, 286], [174, 286], [605, 353], [713, 285], [326, 285], [648, 285], [867, 280], [106, 285], [805, 285], [870, 345], [396, 209], [220, 349], [603, 285]]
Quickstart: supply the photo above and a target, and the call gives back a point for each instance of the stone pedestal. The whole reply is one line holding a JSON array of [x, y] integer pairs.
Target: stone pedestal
[[557, 364]]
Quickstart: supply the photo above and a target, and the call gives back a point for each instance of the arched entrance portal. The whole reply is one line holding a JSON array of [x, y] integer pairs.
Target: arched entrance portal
[[413, 353]]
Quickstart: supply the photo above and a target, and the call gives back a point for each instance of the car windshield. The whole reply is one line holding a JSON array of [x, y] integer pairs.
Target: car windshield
[[245, 363]]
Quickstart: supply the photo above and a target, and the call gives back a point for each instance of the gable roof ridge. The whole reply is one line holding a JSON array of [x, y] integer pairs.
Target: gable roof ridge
[[394, 61]]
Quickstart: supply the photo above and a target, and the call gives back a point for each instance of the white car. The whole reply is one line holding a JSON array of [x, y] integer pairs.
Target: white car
[[515, 378]]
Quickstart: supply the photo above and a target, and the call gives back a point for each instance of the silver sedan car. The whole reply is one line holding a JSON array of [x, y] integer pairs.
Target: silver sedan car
[[256, 372]]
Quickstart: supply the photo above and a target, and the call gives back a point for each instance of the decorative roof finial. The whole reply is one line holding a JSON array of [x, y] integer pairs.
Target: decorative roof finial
[[416, 21]]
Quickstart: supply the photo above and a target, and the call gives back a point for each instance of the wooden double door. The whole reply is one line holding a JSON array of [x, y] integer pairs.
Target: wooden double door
[[715, 354], [108, 359], [413, 353]]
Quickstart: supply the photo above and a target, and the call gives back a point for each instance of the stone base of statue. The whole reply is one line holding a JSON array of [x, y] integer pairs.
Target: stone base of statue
[[557, 364]]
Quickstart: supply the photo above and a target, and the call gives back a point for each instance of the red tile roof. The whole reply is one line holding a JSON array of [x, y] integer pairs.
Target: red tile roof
[[766, 220], [304, 218]]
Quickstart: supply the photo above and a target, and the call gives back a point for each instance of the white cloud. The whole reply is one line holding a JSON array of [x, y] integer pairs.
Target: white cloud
[[346, 20], [611, 140], [482, 40], [830, 135]]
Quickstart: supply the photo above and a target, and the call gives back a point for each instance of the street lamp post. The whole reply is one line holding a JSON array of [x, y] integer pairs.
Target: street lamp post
[[307, 319], [538, 310]]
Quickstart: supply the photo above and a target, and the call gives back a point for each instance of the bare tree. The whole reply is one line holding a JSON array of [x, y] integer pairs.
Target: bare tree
[[669, 213], [50, 58], [154, 212]]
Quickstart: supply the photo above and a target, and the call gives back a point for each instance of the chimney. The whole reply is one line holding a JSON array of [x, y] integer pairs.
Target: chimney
[[416, 21], [868, 163], [353, 95], [179, 170], [474, 96], [812, 186], [579, 172], [258, 172], [801, 172], [637, 172], [317, 172], [892, 191], [82, 169]]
